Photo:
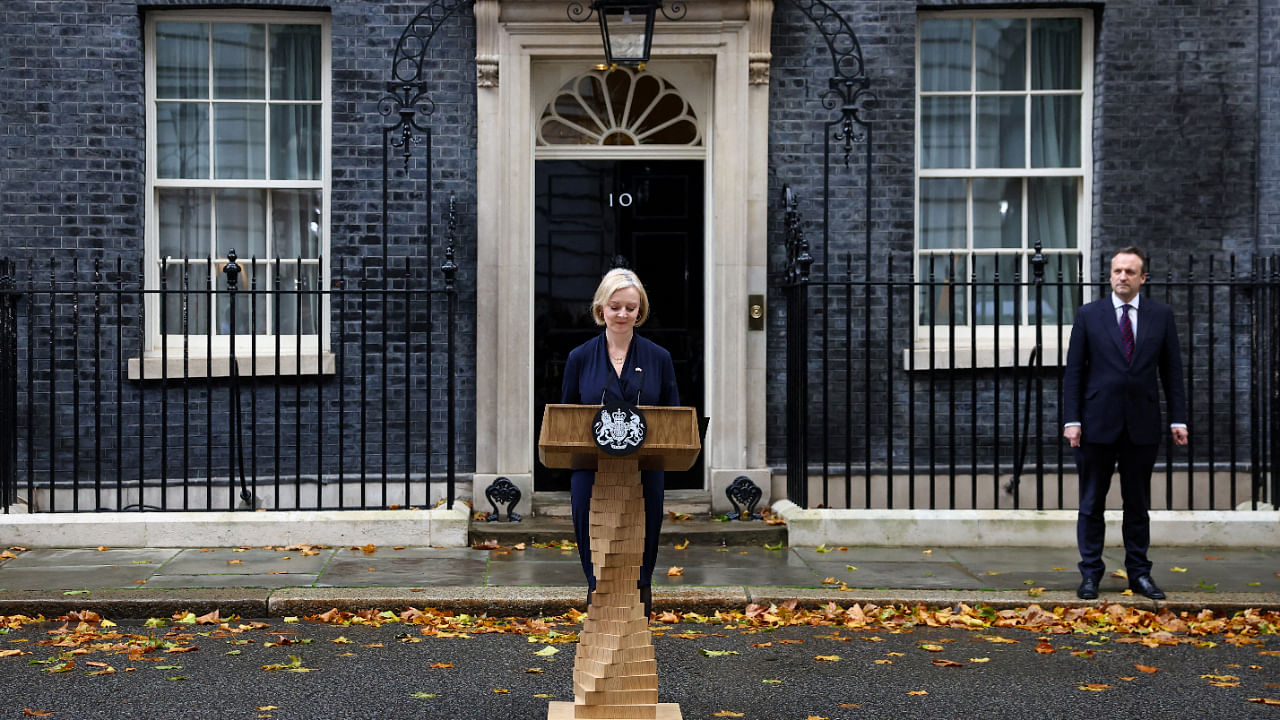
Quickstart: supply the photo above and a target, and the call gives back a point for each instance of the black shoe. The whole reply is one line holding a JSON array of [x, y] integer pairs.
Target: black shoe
[[1088, 589], [1144, 585], [646, 598], [590, 592]]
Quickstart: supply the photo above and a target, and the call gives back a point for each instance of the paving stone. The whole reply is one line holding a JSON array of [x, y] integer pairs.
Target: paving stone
[[72, 557], [227, 561], [73, 577], [232, 581]]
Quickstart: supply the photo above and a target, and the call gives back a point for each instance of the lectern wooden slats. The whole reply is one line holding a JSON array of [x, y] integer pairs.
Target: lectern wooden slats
[[615, 674]]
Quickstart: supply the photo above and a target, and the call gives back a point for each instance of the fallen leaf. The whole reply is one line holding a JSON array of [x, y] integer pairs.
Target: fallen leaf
[[918, 692], [850, 706], [535, 671], [778, 546], [1120, 573], [726, 713], [12, 653], [822, 548], [928, 647], [1083, 653], [265, 708], [1211, 558], [683, 545], [717, 653], [1147, 669], [235, 562], [675, 571], [440, 666], [980, 660], [547, 651], [884, 662], [423, 695], [1096, 687], [1044, 648], [1177, 569], [501, 691], [35, 713], [942, 662], [771, 682], [827, 658], [1264, 701]]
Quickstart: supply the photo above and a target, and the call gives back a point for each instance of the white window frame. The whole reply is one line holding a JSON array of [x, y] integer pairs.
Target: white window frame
[[210, 354], [939, 335]]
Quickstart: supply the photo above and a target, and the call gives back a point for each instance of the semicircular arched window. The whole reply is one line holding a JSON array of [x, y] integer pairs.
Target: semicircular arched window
[[618, 107]]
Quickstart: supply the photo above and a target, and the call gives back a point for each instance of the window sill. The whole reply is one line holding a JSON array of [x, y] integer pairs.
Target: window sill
[[983, 355], [152, 366]]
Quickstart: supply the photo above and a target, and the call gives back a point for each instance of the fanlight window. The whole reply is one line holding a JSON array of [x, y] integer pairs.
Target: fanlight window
[[618, 107]]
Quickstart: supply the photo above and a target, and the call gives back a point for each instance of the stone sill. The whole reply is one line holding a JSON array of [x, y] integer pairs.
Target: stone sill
[[152, 366], [984, 354]]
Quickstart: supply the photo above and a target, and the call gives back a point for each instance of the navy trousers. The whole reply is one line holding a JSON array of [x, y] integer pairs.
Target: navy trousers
[[654, 484], [1097, 462]]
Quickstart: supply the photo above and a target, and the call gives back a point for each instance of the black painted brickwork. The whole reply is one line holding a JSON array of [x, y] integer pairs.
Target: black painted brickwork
[[1180, 92], [72, 107]]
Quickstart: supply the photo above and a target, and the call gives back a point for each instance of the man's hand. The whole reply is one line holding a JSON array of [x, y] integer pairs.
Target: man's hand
[[1179, 435], [1072, 434]]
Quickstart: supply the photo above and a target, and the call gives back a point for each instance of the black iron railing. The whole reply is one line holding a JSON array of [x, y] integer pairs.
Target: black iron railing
[[307, 395], [905, 390]]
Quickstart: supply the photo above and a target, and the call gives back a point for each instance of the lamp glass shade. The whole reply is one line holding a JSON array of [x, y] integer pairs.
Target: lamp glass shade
[[627, 30]]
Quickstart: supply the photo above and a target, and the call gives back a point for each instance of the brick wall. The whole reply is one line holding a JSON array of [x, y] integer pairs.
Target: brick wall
[[73, 182]]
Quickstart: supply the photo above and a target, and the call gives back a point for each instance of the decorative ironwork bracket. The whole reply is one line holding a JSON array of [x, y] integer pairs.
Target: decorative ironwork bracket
[[743, 491], [502, 490], [849, 87]]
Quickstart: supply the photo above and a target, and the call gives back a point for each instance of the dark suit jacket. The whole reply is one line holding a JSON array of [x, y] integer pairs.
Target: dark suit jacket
[[1109, 396], [648, 377]]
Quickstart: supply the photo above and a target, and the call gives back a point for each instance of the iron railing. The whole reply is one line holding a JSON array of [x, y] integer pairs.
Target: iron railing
[[98, 417], [888, 407]]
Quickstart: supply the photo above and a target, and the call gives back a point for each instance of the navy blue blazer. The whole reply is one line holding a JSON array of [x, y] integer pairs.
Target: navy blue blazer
[[648, 377], [1108, 395]]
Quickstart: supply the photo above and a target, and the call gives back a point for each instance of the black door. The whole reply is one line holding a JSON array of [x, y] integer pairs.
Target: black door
[[594, 215]]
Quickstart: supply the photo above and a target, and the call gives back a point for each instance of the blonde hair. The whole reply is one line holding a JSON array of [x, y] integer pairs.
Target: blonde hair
[[613, 281]]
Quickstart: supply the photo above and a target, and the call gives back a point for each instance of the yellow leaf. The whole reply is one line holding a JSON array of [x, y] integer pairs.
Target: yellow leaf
[[884, 662], [12, 653], [1096, 687], [341, 640], [816, 717], [918, 692], [1147, 669], [1264, 701], [234, 562], [927, 647], [675, 571], [942, 662], [1177, 569], [1121, 573], [440, 666], [501, 691], [265, 708], [103, 548], [827, 658], [980, 660], [682, 545], [726, 713]]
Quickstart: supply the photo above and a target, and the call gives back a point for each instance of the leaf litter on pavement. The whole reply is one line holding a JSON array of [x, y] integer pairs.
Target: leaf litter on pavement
[[72, 638]]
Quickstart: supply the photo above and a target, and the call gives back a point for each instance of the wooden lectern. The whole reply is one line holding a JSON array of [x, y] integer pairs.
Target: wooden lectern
[[615, 675]]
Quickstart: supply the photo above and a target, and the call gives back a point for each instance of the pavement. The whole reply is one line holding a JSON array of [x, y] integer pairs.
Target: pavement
[[532, 580]]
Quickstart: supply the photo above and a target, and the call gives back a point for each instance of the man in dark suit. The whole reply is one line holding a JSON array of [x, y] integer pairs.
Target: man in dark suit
[[1111, 411]]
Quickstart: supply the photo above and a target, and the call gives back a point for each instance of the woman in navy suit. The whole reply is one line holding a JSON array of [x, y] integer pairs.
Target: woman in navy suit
[[619, 365]]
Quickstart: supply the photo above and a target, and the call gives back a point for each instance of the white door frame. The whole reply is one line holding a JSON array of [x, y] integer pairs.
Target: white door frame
[[731, 40]]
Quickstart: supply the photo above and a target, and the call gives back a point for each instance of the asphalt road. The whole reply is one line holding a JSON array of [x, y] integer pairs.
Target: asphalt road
[[383, 673]]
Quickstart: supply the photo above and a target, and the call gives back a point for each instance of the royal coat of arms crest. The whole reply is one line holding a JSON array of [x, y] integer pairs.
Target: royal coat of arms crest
[[619, 429]]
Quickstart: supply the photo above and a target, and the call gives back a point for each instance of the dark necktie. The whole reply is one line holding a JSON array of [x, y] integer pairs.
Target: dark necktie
[[1126, 332]]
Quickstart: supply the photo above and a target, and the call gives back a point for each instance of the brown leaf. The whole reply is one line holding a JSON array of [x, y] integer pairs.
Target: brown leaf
[[1096, 687], [1147, 669], [917, 692], [1044, 648], [35, 713], [675, 571], [1264, 701], [441, 666], [726, 713], [940, 662], [213, 618]]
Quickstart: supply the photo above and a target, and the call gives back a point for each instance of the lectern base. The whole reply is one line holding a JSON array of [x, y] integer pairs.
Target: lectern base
[[564, 711]]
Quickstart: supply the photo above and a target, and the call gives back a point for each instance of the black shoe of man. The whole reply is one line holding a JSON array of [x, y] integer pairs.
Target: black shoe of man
[[1088, 589], [1144, 585]]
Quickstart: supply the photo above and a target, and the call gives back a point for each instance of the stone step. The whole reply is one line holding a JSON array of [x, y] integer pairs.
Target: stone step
[[701, 530]]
